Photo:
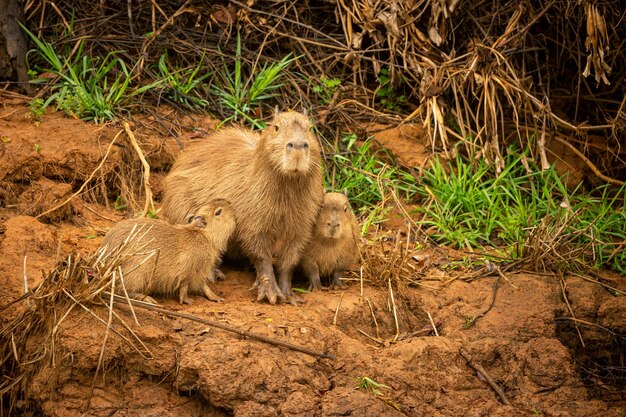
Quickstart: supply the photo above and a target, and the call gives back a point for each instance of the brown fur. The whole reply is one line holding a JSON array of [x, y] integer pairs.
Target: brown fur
[[333, 246], [273, 179], [161, 258]]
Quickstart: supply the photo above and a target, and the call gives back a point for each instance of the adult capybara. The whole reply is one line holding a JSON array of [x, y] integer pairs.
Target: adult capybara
[[157, 257], [334, 244], [273, 179]]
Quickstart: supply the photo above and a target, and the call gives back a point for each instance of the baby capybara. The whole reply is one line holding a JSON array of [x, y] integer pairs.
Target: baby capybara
[[334, 244], [157, 257]]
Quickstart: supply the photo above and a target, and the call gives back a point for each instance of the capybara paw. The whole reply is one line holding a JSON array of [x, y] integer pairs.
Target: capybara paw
[[187, 301], [146, 299], [267, 289], [314, 286], [294, 299], [216, 299], [336, 284]]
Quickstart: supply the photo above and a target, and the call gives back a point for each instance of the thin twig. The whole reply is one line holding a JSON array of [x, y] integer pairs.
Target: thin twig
[[104, 343], [25, 277], [395, 312], [337, 310], [228, 328], [569, 307], [588, 162], [478, 368], [432, 323], [149, 204]]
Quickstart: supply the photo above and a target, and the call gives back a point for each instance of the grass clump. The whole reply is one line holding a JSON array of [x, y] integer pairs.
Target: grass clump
[[531, 213], [241, 96], [85, 87], [182, 85]]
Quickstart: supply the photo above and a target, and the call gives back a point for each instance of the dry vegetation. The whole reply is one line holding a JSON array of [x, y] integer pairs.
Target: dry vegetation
[[483, 74]]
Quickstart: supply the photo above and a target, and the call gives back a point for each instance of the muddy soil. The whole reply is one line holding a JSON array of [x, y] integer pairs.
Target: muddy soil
[[525, 342]]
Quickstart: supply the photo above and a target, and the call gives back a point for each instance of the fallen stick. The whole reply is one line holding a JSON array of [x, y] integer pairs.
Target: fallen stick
[[478, 368], [226, 327]]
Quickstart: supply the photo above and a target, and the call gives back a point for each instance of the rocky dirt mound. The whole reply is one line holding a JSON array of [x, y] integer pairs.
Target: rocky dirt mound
[[179, 367]]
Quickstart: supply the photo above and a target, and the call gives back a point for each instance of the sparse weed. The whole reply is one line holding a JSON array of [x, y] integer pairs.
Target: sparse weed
[[387, 95], [326, 88], [119, 203], [152, 214], [241, 95], [368, 384], [469, 322], [37, 147]]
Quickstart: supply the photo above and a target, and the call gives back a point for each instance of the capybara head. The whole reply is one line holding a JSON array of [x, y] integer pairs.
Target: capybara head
[[216, 216], [291, 143], [335, 217]]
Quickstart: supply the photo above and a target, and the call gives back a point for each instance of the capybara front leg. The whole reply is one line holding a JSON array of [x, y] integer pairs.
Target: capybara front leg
[[266, 281], [285, 286], [313, 273], [182, 295], [336, 282]]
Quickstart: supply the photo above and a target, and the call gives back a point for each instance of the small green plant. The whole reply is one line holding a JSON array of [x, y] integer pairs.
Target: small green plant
[[182, 85], [119, 203], [326, 88], [37, 147], [368, 384], [469, 322], [37, 109], [84, 87], [241, 95], [152, 214], [93, 233], [387, 95]]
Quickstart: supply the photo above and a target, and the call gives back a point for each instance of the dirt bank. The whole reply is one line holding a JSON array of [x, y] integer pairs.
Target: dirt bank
[[178, 367]]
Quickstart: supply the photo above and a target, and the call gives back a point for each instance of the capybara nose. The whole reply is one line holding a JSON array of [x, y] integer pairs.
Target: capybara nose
[[298, 145]]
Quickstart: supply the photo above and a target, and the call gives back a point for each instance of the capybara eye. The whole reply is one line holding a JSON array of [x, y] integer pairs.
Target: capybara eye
[[306, 146], [218, 211], [345, 208]]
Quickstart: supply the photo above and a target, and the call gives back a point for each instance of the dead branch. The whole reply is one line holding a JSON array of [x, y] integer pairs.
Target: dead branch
[[226, 327], [478, 368]]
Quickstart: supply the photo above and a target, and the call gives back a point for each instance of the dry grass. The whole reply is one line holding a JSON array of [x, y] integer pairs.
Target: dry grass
[[28, 340], [481, 74]]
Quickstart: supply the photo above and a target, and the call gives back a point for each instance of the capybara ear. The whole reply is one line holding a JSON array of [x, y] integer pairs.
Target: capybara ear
[[345, 192], [305, 111], [190, 218], [276, 111]]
